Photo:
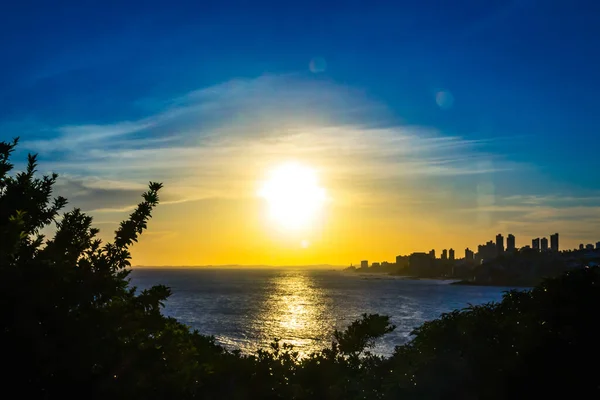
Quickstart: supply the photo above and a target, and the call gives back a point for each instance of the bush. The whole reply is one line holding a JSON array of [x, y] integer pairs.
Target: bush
[[70, 323], [533, 343]]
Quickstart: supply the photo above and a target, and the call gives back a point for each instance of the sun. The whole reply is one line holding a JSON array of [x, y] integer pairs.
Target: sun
[[294, 197]]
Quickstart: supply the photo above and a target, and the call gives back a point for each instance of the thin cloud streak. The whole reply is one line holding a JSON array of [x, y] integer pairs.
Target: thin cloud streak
[[530, 216], [214, 142]]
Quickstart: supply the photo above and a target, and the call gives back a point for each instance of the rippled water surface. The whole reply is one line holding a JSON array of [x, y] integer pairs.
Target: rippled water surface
[[247, 308]]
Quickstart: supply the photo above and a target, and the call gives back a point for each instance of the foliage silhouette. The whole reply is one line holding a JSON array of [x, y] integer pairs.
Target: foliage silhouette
[[71, 325]]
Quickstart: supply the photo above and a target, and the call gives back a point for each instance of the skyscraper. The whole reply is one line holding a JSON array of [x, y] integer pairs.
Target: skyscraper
[[510, 243], [580, 246], [535, 244], [401, 262], [597, 245], [487, 251], [364, 264], [554, 242], [544, 244], [432, 253], [451, 254], [469, 255], [499, 243], [444, 254], [419, 262]]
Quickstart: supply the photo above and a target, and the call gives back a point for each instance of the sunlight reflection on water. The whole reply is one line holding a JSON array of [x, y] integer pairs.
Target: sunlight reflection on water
[[248, 309], [296, 311]]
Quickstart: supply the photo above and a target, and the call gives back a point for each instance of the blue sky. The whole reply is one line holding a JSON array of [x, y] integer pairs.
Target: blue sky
[[518, 79], [522, 69]]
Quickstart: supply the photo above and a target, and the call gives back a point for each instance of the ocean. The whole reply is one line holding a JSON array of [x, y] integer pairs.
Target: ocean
[[246, 309]]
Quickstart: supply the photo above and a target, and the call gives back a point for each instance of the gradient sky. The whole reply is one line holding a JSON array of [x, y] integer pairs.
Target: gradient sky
[[431, 124]]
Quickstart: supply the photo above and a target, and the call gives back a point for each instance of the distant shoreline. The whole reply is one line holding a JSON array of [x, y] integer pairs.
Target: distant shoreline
[[455, 281], [471, 283], [412, 278], [240, 266]]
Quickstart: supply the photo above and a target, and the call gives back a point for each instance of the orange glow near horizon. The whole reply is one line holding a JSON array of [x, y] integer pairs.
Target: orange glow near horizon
[[327, 196]]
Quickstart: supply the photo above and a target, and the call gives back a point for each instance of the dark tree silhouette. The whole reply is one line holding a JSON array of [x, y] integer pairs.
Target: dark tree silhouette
[[69, 321], [534, 343]]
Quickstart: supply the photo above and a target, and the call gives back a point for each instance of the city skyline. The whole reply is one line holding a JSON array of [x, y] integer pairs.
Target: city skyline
[[489, 249]]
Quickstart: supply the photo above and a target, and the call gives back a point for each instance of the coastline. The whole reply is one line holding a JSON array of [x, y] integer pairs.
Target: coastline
[[449, 281], [504, 284], [404, 277]]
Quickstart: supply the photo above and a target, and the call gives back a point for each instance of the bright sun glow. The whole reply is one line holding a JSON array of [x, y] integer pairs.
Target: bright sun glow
[[294, 196]]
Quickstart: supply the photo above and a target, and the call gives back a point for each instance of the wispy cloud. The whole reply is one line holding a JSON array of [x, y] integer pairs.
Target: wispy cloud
[[78, 137], [529, 216], [216, 141]]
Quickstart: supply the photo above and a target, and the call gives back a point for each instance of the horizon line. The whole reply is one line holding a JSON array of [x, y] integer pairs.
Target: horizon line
[[242, 266]]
